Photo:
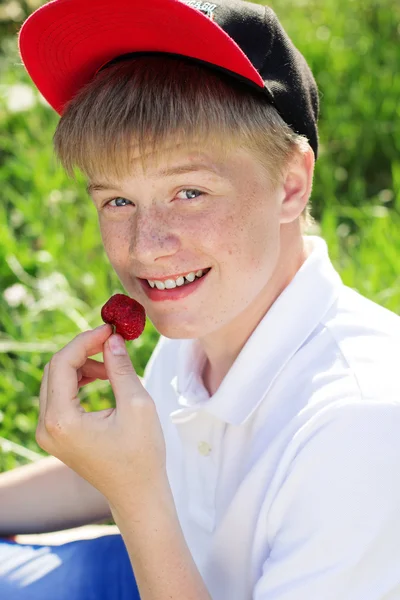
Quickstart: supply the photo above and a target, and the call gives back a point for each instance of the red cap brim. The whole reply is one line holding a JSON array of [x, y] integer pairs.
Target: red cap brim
[[65, 42]]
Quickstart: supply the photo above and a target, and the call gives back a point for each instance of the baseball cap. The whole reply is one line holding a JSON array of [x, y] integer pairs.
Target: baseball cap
[[65, 43]]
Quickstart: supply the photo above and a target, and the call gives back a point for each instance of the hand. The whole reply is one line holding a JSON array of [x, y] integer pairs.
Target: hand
[[121, 450]]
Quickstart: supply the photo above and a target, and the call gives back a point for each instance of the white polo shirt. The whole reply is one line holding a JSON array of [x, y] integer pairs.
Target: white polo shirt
[[287, 479]]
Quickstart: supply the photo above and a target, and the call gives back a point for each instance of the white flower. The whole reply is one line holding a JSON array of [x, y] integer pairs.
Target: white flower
[[17, 294], [18, 97]]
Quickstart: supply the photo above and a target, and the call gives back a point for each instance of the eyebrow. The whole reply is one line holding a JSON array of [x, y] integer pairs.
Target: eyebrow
[[178, 170]]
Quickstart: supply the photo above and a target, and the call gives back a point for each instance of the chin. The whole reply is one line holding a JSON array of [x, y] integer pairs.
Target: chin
[[181, 331]]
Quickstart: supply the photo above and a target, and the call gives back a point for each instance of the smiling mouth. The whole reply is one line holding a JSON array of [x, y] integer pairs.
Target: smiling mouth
[[181, 281]]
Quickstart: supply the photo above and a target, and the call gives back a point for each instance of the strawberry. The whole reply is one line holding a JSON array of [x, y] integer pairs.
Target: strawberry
[[127, 315]]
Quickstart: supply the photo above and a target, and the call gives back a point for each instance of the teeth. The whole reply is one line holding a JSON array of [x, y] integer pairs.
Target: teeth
[[170, 284]]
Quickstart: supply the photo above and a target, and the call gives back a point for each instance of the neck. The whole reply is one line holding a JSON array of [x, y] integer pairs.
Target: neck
[[223, 346]]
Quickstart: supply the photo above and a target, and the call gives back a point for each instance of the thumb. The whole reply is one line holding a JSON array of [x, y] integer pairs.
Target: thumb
[[124, 381]]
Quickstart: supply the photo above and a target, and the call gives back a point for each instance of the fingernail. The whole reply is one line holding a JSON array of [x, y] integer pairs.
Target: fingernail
[[100, 327], [117, 345]]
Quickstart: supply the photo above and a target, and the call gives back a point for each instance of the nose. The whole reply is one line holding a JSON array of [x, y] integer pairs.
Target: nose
[[154, 236]]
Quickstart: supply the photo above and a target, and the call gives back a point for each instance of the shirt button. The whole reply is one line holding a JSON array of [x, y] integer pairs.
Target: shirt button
[[204, 448]]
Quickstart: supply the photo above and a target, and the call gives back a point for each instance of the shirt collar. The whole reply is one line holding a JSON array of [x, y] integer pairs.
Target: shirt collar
[[285, 327]]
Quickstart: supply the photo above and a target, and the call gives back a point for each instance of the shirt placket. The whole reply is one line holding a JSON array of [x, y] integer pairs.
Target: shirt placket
[[201, 435]]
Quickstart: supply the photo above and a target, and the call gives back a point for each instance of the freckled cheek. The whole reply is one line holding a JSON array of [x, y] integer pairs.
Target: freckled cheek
[[249, 243], [198, 230], [116, 240], [217, 238], [235, 237], [264, 251], [217, 234]]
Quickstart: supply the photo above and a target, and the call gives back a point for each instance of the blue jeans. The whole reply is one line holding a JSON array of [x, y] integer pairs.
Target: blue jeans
[[95, 569]]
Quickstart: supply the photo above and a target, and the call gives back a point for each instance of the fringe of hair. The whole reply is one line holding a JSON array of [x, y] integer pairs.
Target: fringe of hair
[[139, 107]]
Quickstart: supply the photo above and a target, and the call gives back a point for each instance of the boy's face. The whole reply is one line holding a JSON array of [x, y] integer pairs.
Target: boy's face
[[193, 211]]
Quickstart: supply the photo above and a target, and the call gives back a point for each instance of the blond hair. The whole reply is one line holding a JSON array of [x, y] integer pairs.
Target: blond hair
[[146, 102]]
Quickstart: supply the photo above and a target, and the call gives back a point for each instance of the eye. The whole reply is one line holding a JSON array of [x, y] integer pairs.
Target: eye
[[190, 194], [118, 205]]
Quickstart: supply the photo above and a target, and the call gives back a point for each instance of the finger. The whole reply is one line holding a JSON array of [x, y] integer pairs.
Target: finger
[[125, 383], [62, 386], [91, 371]]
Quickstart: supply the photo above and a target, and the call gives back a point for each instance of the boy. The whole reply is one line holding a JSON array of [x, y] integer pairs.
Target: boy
[[260, 460]]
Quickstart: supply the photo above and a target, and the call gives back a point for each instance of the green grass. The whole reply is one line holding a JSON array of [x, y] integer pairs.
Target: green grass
[[53, 270]]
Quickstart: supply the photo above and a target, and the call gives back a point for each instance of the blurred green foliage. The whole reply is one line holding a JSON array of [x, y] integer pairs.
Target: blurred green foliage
[[53, 270]]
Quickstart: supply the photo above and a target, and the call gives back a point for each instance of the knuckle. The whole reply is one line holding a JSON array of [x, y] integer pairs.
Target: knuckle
[[144, 404], [53, 426], [55, 359], [41, 438], [123, 369]]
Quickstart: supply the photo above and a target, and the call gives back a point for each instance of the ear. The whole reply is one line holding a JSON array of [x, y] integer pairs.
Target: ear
[[297, 186]]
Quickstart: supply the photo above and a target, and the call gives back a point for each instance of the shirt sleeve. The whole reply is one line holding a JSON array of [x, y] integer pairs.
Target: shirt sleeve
[[334, 524]]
